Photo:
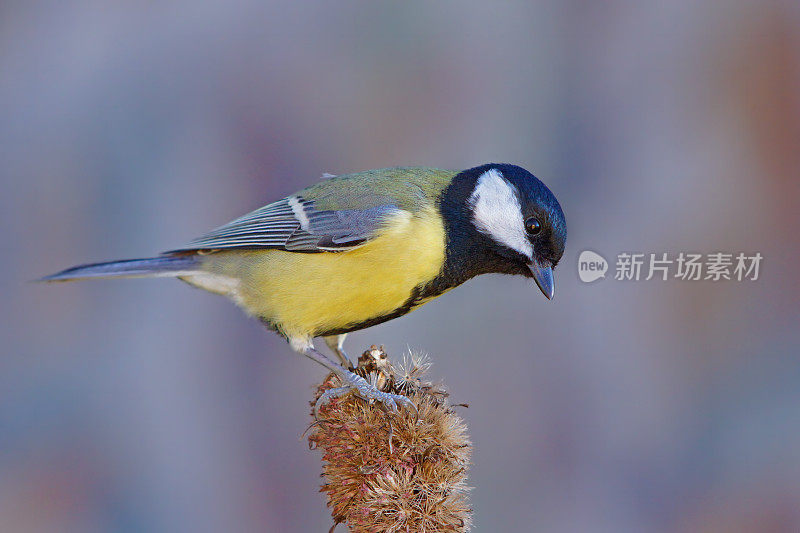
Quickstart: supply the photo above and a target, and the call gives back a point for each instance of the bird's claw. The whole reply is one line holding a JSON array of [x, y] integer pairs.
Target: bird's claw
[[328, 395], [370, 393], [366, 391]]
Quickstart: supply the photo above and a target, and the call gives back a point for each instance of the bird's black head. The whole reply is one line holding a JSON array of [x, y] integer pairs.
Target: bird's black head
[[501, 218]]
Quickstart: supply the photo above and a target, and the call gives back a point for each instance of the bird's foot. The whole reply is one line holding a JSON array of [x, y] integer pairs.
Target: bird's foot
[[370, 393], [366, 391]]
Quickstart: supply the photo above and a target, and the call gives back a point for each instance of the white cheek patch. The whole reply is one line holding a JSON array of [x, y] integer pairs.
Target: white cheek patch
[[496, 212]]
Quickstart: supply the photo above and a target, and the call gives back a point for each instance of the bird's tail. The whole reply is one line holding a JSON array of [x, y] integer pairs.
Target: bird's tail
[[162, 266]]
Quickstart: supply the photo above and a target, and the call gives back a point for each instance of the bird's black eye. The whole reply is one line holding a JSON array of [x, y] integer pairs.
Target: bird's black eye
[[533, 226]]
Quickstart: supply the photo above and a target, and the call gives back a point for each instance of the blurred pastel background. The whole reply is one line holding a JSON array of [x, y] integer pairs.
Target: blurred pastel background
[[128, 128]]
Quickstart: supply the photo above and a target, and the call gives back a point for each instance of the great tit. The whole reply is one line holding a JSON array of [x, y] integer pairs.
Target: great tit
[[353, 251]]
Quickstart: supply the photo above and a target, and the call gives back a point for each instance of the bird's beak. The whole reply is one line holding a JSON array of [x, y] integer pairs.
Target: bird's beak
[[544, 278]]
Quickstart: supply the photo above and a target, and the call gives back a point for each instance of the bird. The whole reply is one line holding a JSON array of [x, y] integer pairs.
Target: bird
[[356, 250]]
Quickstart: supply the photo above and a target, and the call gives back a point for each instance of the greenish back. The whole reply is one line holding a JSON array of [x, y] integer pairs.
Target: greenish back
[[409, 188]]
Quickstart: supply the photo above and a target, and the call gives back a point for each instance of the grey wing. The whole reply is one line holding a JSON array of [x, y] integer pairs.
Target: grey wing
[[294, 224]]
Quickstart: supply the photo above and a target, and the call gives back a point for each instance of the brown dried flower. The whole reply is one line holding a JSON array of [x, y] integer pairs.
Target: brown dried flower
[[393, 472]]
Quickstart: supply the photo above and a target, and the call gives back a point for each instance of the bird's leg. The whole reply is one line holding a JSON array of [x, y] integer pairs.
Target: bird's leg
[[335, 344], [350, 380]]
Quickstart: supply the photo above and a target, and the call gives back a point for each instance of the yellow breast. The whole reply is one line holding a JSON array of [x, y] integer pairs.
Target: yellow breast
[[306, 294]]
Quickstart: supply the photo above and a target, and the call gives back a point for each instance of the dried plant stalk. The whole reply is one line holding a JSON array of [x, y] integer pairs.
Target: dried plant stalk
[[393, 472]]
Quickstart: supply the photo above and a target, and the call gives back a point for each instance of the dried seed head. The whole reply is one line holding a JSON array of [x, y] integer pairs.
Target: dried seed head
[[394, 472], [410, 371]]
